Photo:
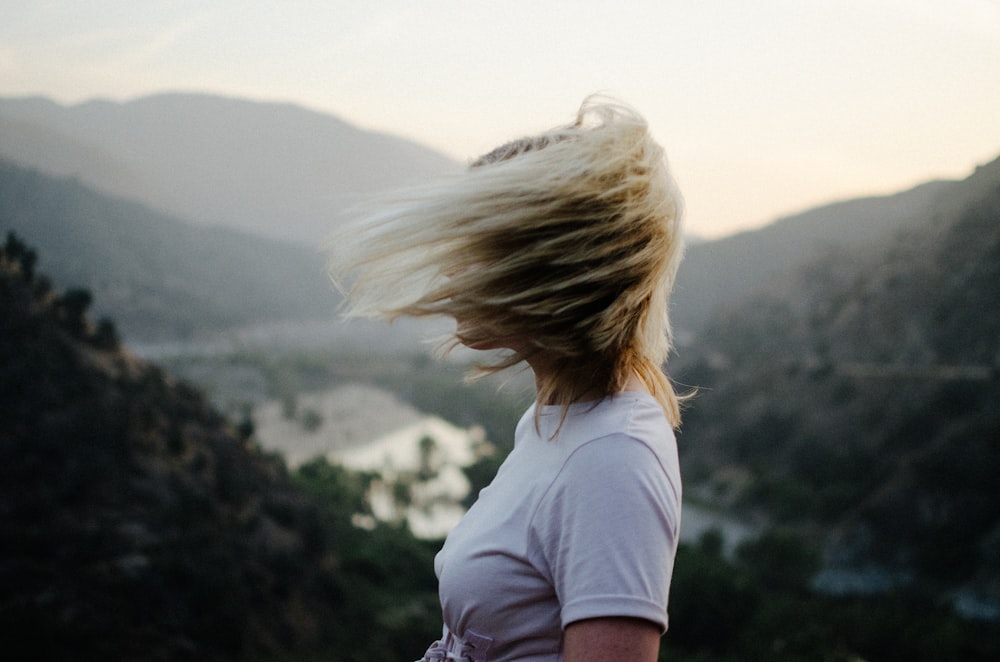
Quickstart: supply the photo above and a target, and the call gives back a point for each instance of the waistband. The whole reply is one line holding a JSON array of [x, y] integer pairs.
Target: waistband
[[470, 648]]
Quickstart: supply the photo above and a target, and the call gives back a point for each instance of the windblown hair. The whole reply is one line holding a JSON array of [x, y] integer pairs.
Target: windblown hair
[[563, 245]]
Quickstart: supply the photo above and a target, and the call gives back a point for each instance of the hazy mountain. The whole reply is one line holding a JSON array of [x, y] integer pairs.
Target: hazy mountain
[[721, 272], [51, 151], [859, 394], [286, 171], [157, 276], [271, 168]]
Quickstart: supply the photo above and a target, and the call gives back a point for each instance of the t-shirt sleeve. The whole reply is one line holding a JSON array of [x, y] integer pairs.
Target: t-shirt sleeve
[[607, 530]]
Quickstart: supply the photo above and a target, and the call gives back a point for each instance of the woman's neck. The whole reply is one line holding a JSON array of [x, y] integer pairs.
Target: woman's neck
[[544, 370]]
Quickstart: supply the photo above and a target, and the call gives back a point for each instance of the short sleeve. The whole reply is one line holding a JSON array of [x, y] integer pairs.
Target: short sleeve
[[607, 531]]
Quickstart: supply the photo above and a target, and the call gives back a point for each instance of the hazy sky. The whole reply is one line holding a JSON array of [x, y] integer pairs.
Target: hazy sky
[[765, 107]]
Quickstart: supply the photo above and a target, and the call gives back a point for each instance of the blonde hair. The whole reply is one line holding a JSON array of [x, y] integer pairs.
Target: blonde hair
[[567, 242]]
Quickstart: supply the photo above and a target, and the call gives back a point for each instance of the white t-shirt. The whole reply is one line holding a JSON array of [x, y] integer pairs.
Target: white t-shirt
[[582, 525]]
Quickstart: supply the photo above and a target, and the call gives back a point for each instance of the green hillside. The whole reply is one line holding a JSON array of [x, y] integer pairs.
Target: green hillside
[[138, 524], [858, 399]]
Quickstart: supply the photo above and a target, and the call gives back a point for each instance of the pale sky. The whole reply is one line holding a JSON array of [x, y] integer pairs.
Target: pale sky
[[765, 107]]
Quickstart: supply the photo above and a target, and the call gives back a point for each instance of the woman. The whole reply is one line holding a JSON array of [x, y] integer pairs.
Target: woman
[[559, 250]]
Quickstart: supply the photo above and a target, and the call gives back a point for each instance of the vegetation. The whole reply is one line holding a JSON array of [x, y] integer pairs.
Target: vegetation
[[388, 574], [858, 398], [434, 387], [852, 405], [750, 608], [138, 524]]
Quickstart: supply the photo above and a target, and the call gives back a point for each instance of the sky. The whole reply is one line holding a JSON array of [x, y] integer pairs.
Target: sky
[[765, 108]]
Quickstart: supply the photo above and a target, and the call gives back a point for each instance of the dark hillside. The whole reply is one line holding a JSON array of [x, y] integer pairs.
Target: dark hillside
[[860, 395], [136, 524], [160, 277]]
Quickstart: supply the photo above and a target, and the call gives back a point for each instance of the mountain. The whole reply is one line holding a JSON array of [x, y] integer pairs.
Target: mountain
[[718, 273], [158, 276], [271, 168], [288, 172], [856, 397], [50, 151], [138, 524]]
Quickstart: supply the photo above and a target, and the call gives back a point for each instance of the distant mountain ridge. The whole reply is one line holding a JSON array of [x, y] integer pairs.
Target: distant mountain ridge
[[275, 169], [157, 276], [261, 166], [719, 273]]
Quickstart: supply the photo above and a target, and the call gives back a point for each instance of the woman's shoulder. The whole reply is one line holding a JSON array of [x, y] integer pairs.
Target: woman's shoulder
[[635, 461], [631, 431], [629, 418], [635, 414]]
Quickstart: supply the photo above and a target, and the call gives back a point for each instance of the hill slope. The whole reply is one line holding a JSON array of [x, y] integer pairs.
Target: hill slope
[[160, 277], [720, 273], [270, 168], [137, 524], [860, 393]]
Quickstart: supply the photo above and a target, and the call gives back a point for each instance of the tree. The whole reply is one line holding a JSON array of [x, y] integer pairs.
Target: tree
[[72, 307], [780, 560]]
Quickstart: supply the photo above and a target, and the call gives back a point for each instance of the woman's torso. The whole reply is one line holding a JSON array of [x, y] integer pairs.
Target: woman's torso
[[571, 527]]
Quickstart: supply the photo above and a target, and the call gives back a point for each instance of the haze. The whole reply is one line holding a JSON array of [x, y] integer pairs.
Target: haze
[[765, 108]]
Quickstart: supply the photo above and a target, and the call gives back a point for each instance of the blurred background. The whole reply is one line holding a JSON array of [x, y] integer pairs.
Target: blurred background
[[201, 460]]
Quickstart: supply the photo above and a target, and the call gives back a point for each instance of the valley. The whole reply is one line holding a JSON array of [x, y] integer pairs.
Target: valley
[[839, 453]]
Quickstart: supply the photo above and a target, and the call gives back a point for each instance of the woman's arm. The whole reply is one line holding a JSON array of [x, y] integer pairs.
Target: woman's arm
[[611, 640]]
